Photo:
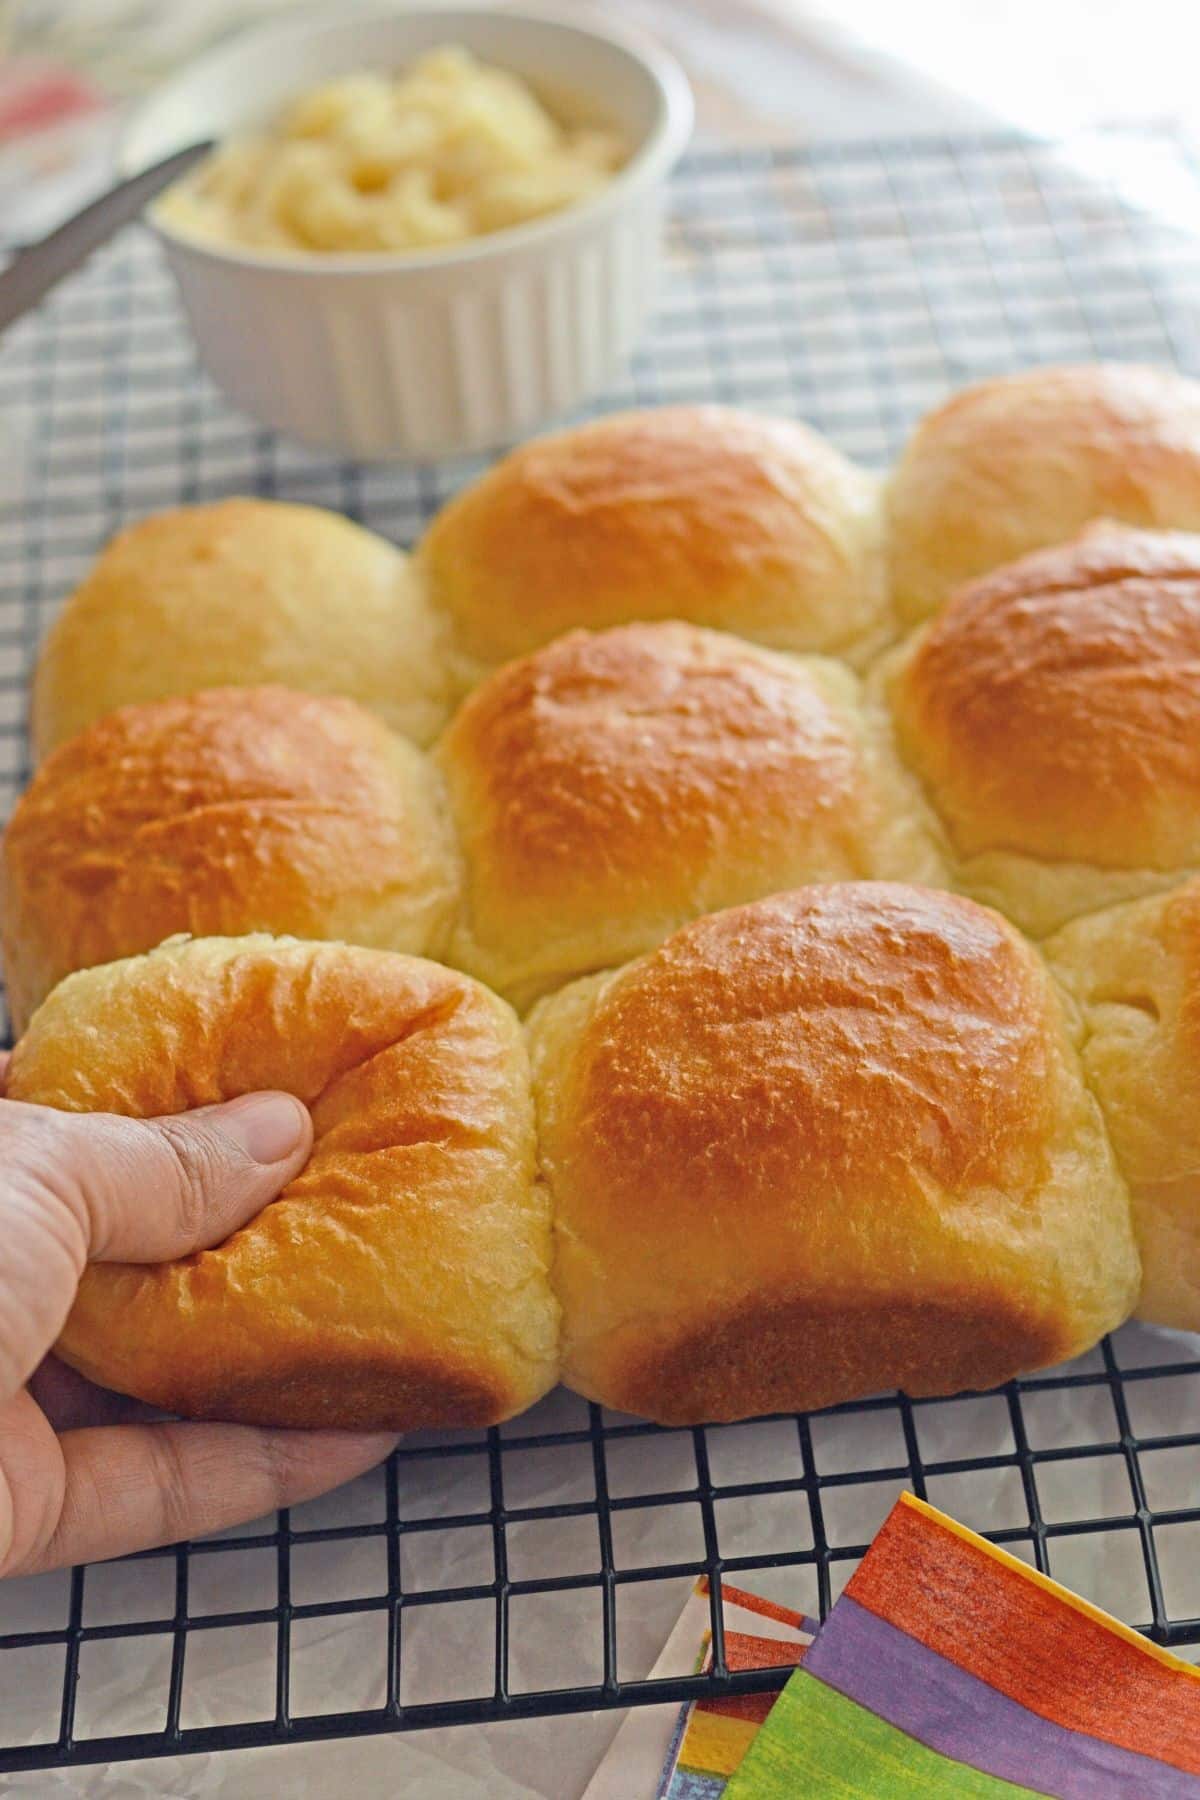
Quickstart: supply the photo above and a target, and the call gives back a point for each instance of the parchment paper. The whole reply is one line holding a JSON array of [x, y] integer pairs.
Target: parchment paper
[[556, 1639]]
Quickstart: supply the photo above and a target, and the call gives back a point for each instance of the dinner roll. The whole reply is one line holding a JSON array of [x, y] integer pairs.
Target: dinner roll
[[245, 592], [1052, 711], [1025, 460], [222, 812], [401, 1279], [751, 525], [1134, 972], [829, 1143], [613, 785]]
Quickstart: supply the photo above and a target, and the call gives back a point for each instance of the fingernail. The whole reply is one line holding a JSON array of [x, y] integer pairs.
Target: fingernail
[[267, 1127]]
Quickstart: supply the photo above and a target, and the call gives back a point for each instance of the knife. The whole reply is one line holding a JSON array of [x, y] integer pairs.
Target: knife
[[35, 270]]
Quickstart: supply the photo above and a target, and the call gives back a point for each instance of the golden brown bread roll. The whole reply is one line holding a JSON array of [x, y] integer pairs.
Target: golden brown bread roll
[[615, 784], [243, 592], [1134, 972], [751, 525], [1052, 711], [219, 813], [401, 1279], [829, 1143], [1025, 460]]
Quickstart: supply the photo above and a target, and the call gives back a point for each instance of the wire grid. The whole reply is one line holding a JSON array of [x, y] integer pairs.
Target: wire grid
[[537, 1569]]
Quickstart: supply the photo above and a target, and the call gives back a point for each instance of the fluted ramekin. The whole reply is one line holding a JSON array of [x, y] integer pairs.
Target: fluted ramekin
[[427, 354]]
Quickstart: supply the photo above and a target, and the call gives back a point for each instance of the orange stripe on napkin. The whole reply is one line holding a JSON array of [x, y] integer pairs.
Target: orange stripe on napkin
[[743, 1650], [755, 1603], [1024, 1636]]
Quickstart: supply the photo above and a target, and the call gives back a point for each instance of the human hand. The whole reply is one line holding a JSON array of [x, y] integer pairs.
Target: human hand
[[79, 1478]]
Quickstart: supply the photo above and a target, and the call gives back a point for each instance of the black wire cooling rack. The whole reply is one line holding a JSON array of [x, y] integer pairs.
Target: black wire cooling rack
[[537, 1569]]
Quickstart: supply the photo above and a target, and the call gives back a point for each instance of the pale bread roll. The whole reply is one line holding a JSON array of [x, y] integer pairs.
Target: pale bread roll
[[1010, 464], [704, 513], [615, 784], [243, 592], [1134, 973], [1052, 713], [219, 813], [829, 1143], [401, 1280]]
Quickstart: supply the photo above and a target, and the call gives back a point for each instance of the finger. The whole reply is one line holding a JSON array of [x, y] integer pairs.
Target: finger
[[174, 1185], [149, 1190], [74, 1186], [69, 1400], [131, 1487]]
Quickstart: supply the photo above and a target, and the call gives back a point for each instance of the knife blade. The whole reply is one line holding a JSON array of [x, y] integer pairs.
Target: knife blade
[[34, 270]]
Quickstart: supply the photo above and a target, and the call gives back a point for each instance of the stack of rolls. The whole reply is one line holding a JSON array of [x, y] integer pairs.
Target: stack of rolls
[[842, 836]]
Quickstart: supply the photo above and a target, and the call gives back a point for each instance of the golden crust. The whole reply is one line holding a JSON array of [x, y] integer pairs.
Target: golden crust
[[750, 1356], [401, 1279], [223, 812], [243, 592], [613, 785], [1052, 711], [851, 1113], [1134, 974], [746, 524], [1011, 464]]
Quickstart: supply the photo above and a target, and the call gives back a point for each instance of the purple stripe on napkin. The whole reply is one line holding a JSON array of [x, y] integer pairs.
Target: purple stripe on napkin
[[941, 1705]]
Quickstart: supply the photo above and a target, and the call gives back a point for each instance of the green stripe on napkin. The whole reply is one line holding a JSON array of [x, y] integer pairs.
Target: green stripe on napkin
[[815, 1741]]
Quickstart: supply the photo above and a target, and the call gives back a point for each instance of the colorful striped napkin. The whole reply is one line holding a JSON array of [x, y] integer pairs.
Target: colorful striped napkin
[[712, 1736], [948, 1668], [687, 1753]]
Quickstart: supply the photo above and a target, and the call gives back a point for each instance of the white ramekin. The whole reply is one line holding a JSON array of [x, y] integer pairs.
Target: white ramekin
[[380, 356]]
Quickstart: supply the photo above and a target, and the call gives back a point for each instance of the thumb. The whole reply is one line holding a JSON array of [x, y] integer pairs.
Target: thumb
[[149, 1190]]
